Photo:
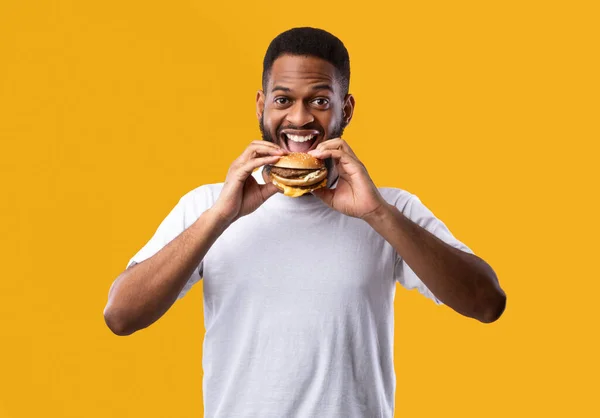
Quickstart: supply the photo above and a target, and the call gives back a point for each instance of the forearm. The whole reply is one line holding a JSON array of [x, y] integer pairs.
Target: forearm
[[460, 280], [144, 292]]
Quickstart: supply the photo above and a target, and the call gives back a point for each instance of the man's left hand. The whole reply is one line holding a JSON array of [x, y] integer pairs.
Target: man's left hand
[[355, 194]]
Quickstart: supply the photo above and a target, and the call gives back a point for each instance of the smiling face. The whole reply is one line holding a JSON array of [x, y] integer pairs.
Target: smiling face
[[303, 103]]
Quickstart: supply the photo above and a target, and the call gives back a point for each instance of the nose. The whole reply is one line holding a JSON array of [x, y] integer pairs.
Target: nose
[[299, 114]]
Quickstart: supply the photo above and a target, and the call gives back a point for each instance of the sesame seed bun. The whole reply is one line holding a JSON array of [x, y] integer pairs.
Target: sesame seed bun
[[297, 173], [299, 160]]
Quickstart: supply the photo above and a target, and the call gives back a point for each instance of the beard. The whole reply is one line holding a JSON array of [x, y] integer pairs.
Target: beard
[[336, 132]]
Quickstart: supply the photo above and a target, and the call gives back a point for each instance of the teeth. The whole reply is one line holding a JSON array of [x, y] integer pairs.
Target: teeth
[[298, 138]]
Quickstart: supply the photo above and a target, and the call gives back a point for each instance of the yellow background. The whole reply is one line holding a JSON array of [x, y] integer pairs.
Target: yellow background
[[110, 111]]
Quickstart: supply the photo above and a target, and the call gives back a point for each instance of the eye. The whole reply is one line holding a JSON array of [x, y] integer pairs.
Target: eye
[[281, 101], [321, 102]]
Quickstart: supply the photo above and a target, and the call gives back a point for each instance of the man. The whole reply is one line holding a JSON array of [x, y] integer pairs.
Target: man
[[298, 292]]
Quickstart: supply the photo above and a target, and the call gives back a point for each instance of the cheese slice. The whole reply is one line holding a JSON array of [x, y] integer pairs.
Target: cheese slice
[[296, 192]]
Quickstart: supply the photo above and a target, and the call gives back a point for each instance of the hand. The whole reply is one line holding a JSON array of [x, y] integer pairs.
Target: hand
[[241, 193], [355, 194]]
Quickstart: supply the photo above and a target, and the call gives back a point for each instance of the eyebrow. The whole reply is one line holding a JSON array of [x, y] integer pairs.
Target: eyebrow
[[317, 87], [287, 90], [323, 87]]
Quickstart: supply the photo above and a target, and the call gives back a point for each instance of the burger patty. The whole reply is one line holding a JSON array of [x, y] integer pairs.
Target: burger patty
[[310, 187], [290, 173]]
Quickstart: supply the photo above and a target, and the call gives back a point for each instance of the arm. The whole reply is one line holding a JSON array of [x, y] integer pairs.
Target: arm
[[460, 280], [145, 291]]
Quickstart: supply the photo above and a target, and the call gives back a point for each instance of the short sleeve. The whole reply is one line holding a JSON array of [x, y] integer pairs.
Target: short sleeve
[[422, 216], [182, 216]]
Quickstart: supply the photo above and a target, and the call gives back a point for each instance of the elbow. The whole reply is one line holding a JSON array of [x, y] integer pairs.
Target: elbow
[[116, 324], [494, 308]]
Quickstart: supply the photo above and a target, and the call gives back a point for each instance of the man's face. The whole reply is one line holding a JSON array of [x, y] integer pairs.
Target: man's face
[[303, 104]]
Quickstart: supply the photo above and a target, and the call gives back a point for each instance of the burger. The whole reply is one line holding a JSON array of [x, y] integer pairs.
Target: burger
[[298, 173]]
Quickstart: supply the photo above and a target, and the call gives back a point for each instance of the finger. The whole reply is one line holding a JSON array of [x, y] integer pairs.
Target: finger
[[346, 164], [326, 195], [267, 190], [332, 143], [266, 143], [248, 167], [342, 145], [336, 154], [265, 148], [260, 150], [336, 143]]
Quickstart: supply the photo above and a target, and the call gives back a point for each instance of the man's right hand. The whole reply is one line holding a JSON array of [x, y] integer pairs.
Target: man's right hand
[[241, 194]]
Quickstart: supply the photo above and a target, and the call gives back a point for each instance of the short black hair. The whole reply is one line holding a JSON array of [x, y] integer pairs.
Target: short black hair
[[312, 42]]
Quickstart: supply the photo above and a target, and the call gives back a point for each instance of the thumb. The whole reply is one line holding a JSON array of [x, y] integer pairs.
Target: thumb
[[326, 195], [267, 190]]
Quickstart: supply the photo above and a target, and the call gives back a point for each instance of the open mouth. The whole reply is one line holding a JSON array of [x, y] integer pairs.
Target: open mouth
[[299, 141]]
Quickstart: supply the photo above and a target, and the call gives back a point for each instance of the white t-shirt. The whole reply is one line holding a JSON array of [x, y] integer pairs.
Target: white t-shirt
[[298, 306]]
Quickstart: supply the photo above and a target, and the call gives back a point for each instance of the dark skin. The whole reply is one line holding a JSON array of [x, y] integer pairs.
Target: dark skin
[[305, 93], [303, 96]]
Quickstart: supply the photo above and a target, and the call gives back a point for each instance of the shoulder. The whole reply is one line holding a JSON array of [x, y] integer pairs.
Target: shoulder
[[200, 198], [408, 203], [397, 197], [204, 196]]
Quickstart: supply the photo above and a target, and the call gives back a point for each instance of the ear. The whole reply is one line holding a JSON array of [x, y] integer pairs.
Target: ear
[[260, 104], [348, 109]]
